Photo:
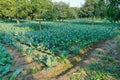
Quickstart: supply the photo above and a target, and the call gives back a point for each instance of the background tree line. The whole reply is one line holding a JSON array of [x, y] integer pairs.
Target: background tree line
[[47, 10]]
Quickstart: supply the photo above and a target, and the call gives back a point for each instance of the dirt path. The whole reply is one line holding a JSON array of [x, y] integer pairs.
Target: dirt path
[[109, 46]]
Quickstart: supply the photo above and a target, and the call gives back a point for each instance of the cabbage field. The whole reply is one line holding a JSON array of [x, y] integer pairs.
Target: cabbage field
[[57, 40]]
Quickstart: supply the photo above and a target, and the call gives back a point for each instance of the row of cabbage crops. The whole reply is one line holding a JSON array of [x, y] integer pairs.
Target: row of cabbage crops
[[68, 38], [61, 39], [5, 61]]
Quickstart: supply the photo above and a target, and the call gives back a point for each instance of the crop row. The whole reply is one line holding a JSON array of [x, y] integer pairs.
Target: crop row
[[5, 61], [56, 40]]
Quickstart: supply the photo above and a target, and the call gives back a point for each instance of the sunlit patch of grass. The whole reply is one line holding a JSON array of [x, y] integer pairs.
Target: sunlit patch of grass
[[97, 71], [87, 74], [107, 68]]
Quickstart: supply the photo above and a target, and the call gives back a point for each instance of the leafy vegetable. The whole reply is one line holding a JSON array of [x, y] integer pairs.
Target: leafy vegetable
[[5, 61], [19, 70]]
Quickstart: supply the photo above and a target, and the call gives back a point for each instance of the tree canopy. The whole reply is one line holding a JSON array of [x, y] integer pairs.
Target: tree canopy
[[114, 10], [48, 10]]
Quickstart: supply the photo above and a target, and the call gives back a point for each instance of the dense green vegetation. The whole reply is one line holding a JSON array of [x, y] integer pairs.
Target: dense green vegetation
[[62, 38], [56, 38], [51, 32], [48, 10], [5, 61], [113, 11]]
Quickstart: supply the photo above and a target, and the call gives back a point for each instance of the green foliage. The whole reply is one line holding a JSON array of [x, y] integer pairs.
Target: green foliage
[[48, 10], [87, 74], [8, 38], [72, 13], [25, 9], [35, 71], [30, 51], [61, 10], [15, 74], [35, 9], [70, 36], [88, 9], [113, 10], [106, 67], [92, 8], [51, 40], [64, 54], [46, 59], [58, 40], [97, 71], [5, 61], [7, 8], [108, 59], [100, 52], [96, 66], [75, 50]]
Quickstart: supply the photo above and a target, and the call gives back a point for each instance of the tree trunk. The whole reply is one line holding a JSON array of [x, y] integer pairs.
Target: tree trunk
[[17, 20], [40, 25], [93, 20], [11, 19], [32, 17]]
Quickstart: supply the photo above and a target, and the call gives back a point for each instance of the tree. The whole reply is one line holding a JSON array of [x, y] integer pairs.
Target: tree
[[22, 9], [51, 14], [101, 9], [46, 7], [114, 10], [38, 7], [7, 9], [72, 13], [88, 9], [62, 10]]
